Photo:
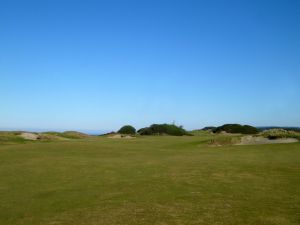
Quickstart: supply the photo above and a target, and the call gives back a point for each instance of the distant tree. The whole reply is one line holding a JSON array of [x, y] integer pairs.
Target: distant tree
[[127, 130], [145, 131]]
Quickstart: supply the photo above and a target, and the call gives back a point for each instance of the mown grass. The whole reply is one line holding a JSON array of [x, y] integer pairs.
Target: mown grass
[[149, 180]]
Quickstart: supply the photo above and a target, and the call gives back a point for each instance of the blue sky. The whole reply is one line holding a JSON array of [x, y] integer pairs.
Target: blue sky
[[97, 65]]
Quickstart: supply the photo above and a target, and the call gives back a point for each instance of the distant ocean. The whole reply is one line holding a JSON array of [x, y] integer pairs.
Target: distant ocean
[[95, 132]]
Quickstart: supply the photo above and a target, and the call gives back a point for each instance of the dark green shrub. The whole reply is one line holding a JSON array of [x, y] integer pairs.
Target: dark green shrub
[[127, 130], [163, 129], [145, 131], [249, 130], [237, 129], [209, 128]]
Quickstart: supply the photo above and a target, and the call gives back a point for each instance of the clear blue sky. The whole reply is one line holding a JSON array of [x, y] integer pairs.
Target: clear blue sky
[[97, 65]]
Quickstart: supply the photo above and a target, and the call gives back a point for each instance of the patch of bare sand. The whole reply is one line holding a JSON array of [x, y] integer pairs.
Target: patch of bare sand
[[119, 136], [29, 136]]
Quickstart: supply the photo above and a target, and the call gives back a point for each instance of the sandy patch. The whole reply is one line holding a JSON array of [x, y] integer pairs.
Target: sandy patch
[[128, 137], [29, 136], [119, 136], [116, 136]]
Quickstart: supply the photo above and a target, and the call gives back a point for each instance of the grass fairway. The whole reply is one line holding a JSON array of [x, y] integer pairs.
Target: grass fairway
[[147, 181]]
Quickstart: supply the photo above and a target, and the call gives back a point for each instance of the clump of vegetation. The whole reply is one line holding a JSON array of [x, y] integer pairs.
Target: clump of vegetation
[[11, 137], [127, 130], [107, 134], [236, 129], [280, 133], [163, 129], [224, 140], [296, 129], [210, 128]]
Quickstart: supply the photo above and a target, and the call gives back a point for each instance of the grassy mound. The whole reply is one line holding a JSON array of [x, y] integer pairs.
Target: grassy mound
[[64, 135], [13, 137], [51, 136], [74, 135]]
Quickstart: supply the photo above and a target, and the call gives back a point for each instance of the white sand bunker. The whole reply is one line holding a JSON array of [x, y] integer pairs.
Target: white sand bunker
[[250, 140], [29, 136]]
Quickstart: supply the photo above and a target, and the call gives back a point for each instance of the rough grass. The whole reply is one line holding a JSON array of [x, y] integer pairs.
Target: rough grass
[[11, 137], [201, 133], [280, 133], [67, 134], [222, 140], [149, 180]]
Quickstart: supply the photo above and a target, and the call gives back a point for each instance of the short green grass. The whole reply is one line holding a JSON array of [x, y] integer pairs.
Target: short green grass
[[147, 181]]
